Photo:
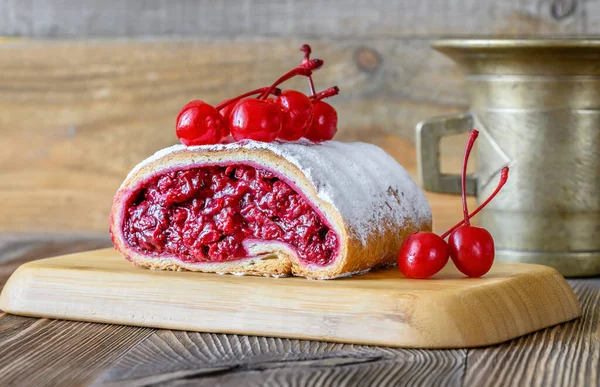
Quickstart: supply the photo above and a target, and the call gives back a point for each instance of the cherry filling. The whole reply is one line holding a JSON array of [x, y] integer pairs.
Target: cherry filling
[[204, 214]]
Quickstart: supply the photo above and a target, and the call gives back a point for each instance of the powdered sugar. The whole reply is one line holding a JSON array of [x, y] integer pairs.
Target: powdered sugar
[[367, 186]]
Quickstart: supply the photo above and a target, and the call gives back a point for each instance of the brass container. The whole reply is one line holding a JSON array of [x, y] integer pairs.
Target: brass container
[[536, 103]]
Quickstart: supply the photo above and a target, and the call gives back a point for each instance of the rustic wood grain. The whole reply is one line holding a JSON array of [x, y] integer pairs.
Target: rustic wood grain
[[53, 352], [80, 115], [176, 357], [47, 352], [16, 249], [295, 18], [116, 91]]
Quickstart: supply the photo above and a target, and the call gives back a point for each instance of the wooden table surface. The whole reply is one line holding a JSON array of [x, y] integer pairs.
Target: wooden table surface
[[43, 352]]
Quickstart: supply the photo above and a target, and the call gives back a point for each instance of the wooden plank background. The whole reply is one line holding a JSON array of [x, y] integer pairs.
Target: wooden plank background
[[350, 19], [77, 113]]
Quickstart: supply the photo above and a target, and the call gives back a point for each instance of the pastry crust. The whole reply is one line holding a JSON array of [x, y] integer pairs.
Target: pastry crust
[[367, 198]]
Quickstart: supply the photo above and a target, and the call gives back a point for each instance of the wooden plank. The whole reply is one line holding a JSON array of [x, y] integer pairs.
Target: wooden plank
[[378, 308], [295, 18], [177, 357], [51, 353], [48, 353], [76, 88], [82, 114], [16, 250], [565, 355]]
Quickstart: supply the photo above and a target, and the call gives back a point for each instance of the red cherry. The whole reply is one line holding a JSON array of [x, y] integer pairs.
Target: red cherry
[[324, 123], [255, 119], [422, 255], [198, 123], [226, 106], [296, 113], [472, 250], [192, 103]]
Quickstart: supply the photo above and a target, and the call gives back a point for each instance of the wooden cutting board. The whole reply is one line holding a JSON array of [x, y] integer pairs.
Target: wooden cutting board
[[379, 308]]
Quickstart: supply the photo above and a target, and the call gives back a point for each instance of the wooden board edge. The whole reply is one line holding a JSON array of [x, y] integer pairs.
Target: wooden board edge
[[556, 297]]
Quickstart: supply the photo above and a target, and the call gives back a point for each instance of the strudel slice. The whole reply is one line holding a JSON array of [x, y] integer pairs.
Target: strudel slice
[[283, 208]]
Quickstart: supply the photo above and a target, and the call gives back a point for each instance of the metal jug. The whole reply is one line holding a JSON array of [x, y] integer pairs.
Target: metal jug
[[536, 103]]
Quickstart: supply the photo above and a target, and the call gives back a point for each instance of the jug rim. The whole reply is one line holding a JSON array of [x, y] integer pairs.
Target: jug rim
[[515, 43]]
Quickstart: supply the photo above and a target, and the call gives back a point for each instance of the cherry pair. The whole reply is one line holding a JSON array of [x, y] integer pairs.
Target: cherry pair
[[199, 123], [289, 116], [471, 248]]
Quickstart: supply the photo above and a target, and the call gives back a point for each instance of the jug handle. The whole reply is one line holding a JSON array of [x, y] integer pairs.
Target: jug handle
[[429, 134]]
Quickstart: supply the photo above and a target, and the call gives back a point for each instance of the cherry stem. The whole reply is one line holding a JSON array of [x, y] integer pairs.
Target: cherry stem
[[463, 177], [307, 50], [503, 179], [283, 78], [311, 85], [224, 104], [305, 69], [330, 92]]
